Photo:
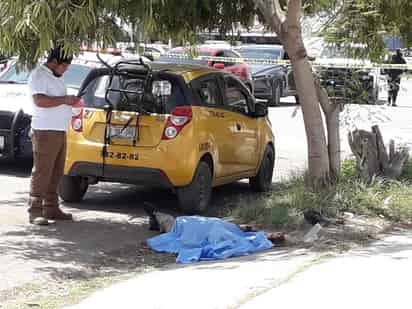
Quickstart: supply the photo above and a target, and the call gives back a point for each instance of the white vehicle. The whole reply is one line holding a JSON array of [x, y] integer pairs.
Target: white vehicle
[[350, 79], [16, 106]]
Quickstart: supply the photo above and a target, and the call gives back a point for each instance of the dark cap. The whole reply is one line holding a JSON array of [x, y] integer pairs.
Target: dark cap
[[58, 55]]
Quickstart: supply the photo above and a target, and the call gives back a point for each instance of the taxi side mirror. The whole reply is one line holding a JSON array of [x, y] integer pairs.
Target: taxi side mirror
[[261, 110]]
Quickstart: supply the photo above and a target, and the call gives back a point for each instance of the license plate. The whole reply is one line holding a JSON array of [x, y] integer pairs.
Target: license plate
[[120, 132], [2, 143]]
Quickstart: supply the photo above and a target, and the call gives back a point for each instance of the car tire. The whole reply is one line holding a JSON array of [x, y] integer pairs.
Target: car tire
[[262, 182], [274, 100], [72, 188], [194, 198]]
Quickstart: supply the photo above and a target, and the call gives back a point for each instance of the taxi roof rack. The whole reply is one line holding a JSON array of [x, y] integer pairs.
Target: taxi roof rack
[[130, 69]]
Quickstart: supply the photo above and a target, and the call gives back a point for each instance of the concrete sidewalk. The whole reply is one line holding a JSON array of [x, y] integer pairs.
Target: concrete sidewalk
[[376, 277], [208, 285]]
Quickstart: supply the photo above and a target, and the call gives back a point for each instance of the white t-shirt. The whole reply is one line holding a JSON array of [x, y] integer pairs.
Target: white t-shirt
[[42, 81]]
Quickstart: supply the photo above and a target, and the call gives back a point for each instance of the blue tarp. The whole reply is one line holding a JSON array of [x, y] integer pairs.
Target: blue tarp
[[196, 238]]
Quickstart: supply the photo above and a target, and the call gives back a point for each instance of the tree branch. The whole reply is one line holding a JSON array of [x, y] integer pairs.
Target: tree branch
[[323, 98], [272, 13]]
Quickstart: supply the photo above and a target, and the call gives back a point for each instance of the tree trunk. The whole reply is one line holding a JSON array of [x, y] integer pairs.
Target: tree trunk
[[323, 161], [372, 157], [331, 112], [318, 158]]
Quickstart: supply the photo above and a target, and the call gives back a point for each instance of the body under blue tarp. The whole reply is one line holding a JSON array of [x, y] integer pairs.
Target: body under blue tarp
[[196, 238]]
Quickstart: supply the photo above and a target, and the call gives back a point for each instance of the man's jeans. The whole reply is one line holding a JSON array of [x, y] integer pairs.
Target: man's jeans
[[49, 154]]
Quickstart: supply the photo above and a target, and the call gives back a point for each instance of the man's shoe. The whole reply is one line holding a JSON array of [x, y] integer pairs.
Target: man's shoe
[[55, 213], [38, 220]]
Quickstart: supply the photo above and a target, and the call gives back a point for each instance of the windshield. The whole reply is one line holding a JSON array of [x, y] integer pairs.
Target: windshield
[[73, 77], [260, 53], [12, 76]]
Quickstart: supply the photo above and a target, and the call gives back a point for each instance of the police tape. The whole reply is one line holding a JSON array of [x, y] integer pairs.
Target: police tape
[[358, 64]]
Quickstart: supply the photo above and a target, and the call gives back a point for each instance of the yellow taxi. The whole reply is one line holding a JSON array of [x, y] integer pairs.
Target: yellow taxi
[[184, 127]]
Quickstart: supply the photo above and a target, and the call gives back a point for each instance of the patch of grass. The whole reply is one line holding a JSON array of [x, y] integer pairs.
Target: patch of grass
[[284, 206], [348, 169], [407, 170]]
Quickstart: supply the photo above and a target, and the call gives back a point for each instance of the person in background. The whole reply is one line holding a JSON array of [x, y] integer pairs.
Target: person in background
[[50, 121], [394, 79]]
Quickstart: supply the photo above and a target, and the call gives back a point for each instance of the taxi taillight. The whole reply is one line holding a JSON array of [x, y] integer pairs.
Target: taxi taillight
[[77, 117], [176, 121]]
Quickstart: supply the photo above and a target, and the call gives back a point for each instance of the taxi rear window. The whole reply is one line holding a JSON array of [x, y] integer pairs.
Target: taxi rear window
[[95, 95]]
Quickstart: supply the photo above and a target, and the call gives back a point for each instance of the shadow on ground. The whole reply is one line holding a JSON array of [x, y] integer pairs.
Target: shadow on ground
[[83, 249], [108, 236], [16, 168]]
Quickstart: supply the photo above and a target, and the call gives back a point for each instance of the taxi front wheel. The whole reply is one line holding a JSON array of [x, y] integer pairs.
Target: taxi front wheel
[[73, 188], [194, 198], [262, 182]]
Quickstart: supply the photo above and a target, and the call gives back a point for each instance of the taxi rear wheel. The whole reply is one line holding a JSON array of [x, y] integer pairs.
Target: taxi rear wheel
[[194, 198], [72, 189], [262, 182]]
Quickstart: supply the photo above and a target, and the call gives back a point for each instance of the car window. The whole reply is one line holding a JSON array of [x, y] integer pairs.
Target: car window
[[230, 54], [235, 97], [261, 53], [75, 75], [95, 95], [208, 91]]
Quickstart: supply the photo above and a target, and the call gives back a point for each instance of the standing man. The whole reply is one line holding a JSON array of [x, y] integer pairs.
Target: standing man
[[50, 121], [394, 80]]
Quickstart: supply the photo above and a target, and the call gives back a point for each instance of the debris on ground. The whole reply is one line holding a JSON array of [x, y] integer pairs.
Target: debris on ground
[[314, 217], [312, 234], [158, 221]]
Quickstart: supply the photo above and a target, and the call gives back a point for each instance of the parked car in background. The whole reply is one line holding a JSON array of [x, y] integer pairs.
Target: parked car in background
[[16, 105], [271, 81], [152, 51], [240, 69], [348, 79], [183, 127]]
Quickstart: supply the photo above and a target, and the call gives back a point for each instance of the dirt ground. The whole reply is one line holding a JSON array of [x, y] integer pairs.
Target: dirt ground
[[106, 241], [49, 267]]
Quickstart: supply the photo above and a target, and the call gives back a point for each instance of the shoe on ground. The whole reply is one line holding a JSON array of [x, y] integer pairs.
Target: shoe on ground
[[38, 220], [55, 213]]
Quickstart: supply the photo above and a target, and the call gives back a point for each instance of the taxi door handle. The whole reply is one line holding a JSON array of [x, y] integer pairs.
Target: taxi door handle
[[238, 126]]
